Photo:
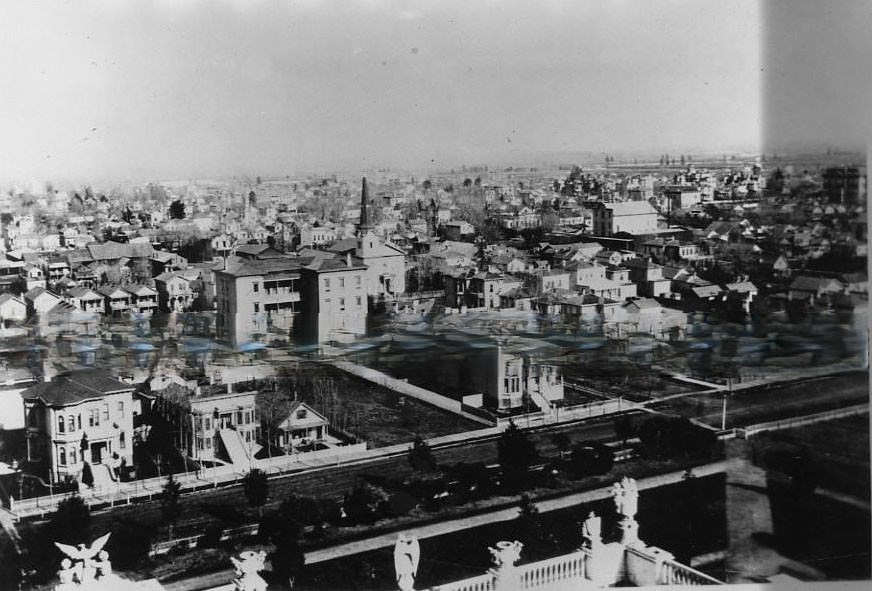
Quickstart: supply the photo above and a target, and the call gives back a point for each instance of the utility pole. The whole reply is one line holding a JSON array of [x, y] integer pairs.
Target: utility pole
[[724, 410]]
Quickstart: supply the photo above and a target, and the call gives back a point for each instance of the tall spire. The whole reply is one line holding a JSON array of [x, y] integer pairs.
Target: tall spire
[[363, 226]]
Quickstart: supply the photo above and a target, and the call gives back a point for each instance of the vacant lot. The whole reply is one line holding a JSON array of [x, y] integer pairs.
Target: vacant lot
[[382, 417], [837, 452]]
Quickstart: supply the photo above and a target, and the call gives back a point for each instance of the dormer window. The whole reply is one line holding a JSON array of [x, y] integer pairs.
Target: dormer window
[[301, 414]]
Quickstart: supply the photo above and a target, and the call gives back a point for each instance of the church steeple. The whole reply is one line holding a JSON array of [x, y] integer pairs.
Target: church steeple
[[364, 226]]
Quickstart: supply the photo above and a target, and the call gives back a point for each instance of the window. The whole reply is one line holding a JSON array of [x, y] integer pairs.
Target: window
[[208, 443], [248, 436], [79, 420], [71, 423], [238, 417], [94, 418], [342, 282], [341, 303], [73, 459], [255, 287], [62, 456], [357, 300], [121, 408], [207, 423], [199, 424], [122, 441], [106, 411], [326, 283], [200, 442], [60, 424], [357, 280], [256, 307]]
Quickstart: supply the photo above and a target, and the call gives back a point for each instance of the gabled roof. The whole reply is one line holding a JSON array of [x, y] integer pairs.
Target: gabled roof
[[186, 275], [741, 287], [808, 283], [644, 304], [75, 387], [343, 246], [83, 293], [139, 290], [5, 297], [312, 418], [335, 263], [239, 267], [112, 291], [257, 251], [38, 291], [109, 251]]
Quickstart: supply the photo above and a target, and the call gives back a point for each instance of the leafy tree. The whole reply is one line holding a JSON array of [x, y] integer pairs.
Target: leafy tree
[[177, 210], [590, 459], [516, 454], [170, 505], [467, 182], [366, 503], [562, 442], [538, 541], [421, 456], [87, 475], [515, 449], [130, 542], [624, 428], [676, 437], [427, 184], [256, 487], [71, 522], [287, 558]]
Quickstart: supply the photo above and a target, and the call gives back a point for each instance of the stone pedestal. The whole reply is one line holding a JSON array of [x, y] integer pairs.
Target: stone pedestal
[[629, 532], [506, 576]]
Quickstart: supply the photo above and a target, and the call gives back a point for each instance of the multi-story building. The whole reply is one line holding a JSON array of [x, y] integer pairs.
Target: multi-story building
[[334, 300], [143, 299], [175, 290], [116, 300], [84, 416], [211, 422], [631, 217], [85, 299], [254, 296]]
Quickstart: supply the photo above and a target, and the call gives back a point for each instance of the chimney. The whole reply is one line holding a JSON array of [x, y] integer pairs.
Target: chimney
[[348, 259]]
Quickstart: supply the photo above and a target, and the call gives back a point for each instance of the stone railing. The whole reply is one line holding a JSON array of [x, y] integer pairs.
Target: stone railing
[[483, 582], [646, 566], [675, 573], [545, 573]]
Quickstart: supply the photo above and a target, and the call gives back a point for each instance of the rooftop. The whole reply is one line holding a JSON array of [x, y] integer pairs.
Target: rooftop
[[75, 387]]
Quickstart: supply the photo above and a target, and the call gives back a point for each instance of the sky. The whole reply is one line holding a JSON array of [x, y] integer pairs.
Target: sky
[[817, 84], [100, 90]]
